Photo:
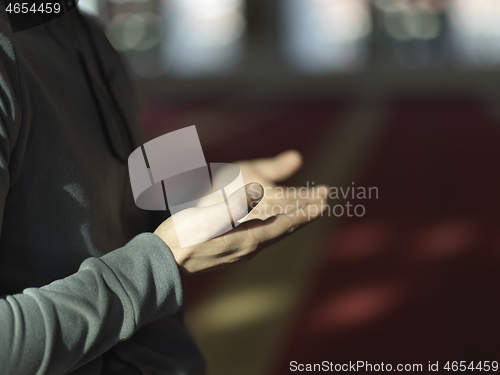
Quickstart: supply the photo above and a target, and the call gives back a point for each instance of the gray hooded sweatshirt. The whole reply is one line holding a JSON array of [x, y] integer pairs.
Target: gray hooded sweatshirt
[[85, 288]]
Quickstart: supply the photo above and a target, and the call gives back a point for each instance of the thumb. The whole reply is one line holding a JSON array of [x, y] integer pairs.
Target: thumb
[[243, 200]]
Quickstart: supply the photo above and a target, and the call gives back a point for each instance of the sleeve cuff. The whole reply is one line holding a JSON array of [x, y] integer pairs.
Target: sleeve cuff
[[149, 273]]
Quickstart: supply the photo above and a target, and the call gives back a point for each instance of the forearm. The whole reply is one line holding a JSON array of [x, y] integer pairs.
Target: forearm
[[61, 326]]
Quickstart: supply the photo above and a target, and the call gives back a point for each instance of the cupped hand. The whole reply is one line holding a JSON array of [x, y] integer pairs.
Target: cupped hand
[[239, 244]]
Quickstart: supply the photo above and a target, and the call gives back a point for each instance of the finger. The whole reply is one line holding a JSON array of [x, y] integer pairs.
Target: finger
[[281, 201], [293, 192], [288, 223], [278, 226], [243, 200], [271, 207], [280, 167]]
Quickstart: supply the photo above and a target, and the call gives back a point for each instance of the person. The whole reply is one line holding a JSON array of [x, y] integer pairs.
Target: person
[[86, 287]]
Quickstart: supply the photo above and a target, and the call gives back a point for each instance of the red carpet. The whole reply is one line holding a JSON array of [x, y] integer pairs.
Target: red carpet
[[417, 279]]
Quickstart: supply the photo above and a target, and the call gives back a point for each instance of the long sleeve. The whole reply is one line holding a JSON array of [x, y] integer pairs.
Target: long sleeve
[[66, 215], [61, 326]]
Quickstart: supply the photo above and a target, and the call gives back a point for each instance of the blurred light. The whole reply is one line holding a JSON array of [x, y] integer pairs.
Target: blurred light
[[361, 241], [326, 35], [407, 21], [127, 1], [357, 306], [341, 21], [203, 36], [134, 31], [475, 28], [114, 30], [431, 25], [384, 5], [444, 240], [90, 7]]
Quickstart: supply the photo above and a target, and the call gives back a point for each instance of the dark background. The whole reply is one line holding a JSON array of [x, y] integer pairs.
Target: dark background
[[398, 95]]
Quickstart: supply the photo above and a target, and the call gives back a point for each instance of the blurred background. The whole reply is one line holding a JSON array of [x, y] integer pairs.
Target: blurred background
[[402, 95]]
